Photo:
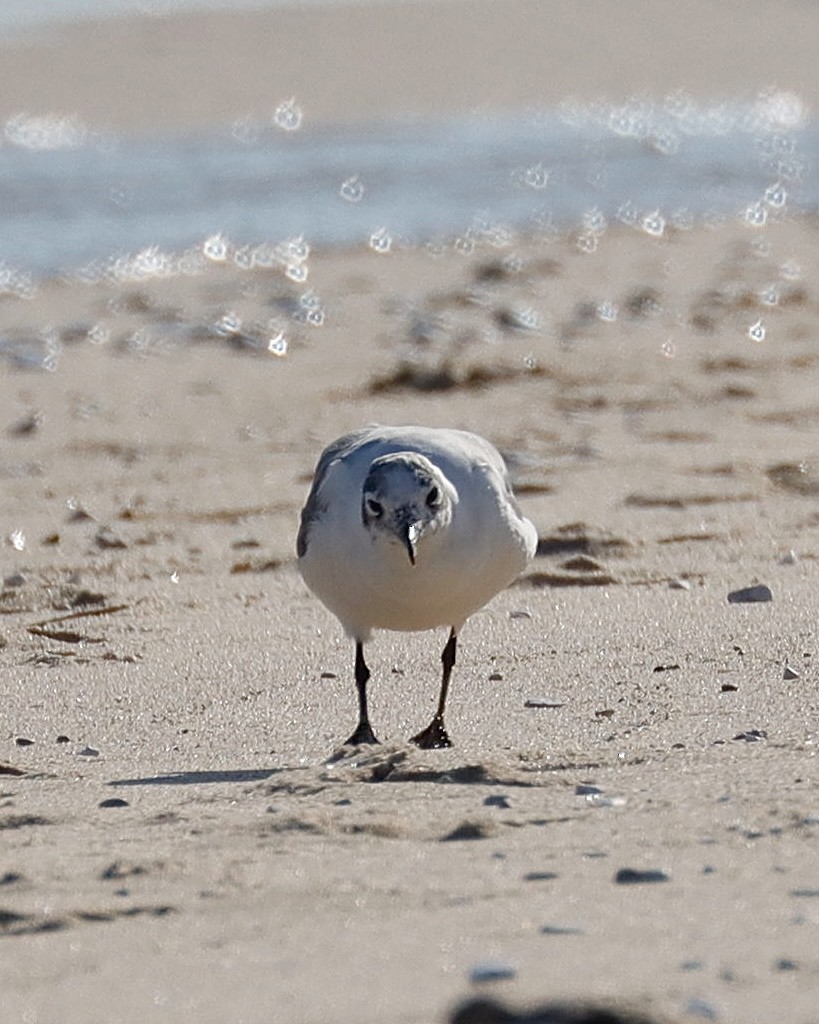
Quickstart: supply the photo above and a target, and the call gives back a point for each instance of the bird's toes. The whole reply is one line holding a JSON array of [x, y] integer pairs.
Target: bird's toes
[[362, 735], [434, 737]]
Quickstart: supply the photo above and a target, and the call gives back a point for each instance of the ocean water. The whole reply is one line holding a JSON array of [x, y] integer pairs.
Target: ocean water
[[25, 14], [74, 202]]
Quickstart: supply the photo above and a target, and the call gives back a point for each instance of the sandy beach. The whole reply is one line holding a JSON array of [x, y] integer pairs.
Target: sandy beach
[[432, 57], [175, 841]]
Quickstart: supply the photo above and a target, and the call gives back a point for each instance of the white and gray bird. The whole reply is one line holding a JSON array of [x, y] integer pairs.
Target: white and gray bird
[[410, 528]]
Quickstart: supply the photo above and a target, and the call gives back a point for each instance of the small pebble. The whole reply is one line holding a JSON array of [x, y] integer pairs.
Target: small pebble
[[679, 584], [789, 673], [543, 702], [62, 739], [16, 579], [785, 964], [701, 1008], [751, 595], [556, 929], [108, 540], [497, 800], [88, 752], [114, 801], [22, 741], [77, 514], [520, 613], [635, 876], [728, 688], [328, 675], [751, 735], [495, 677], [540, 876], [29, 424], [480, 974], [789, 558], [601, 800], [586, 789]]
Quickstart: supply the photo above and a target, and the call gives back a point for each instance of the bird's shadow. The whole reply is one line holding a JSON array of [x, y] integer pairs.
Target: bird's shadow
[[240, 775]]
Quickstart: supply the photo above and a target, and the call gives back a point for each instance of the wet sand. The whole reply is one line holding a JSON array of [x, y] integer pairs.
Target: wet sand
[[174, 839]]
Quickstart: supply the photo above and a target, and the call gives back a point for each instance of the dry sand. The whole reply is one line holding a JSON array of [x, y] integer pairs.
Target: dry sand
[[153, 618], [430, 57], [258, 884]]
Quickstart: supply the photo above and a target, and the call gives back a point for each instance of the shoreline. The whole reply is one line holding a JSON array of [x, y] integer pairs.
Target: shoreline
[[257, 195]]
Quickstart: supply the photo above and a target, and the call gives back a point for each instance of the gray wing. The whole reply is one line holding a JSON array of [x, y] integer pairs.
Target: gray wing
[[314, 507]]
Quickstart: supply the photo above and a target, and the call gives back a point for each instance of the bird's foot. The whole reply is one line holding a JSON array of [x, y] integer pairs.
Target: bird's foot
[[363, 734], [433, 737]]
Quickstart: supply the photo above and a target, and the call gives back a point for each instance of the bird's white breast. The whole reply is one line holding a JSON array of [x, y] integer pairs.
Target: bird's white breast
[[369, 583]]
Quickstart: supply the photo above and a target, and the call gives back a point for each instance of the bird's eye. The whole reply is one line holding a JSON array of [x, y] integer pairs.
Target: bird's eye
[[374, 508], [433, 497]]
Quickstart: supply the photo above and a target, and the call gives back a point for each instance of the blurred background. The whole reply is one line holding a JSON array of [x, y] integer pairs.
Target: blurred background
[[135, 132]]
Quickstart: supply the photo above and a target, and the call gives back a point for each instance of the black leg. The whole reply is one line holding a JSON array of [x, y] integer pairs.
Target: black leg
[[435, 735], [363, 731]]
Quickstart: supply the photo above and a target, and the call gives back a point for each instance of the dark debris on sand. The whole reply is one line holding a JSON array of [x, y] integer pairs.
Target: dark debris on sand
[[487, 1011]]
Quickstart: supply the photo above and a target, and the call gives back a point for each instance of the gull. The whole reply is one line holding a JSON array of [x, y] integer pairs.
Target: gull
[[409, 529]]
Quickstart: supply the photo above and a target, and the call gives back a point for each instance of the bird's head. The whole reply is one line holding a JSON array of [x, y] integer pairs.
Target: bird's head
[[406, 498]]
